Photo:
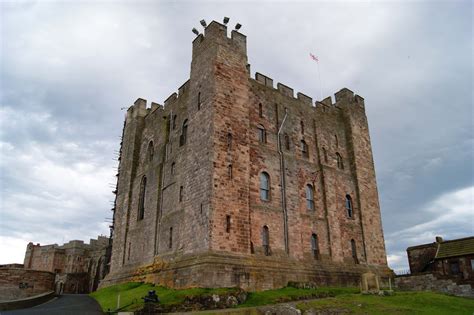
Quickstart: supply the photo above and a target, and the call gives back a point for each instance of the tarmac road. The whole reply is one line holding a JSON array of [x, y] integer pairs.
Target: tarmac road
[[66, 304]]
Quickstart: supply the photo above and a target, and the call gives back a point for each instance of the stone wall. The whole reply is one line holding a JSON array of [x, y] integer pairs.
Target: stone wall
[[75, 257], [428, 282], [420, 256], [246, 271], [18, 283]]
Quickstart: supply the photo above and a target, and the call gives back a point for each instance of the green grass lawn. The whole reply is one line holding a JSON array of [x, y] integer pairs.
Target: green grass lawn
[[131, 295], [400, 303], [292, 294], [330, 298]]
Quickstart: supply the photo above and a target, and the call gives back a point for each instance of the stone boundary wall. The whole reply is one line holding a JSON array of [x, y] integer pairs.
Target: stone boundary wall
[[248, 273], [27, 302], [18, 283], [428, 282]]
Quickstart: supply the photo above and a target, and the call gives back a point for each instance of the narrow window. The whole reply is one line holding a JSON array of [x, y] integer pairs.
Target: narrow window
[[354, 251], [200, 208], [227, 223], [170, 245], [262, 135], [349, 208], [129, 247], [336, 140], [287, 142], [199, 101], [325, 154], [174, 121], [252, 250], [260, 110], [141, 199], [266, 241], [180, 193], [304, 149], [172, 168], [310, 197], [150, 151], [229, 141], [454, 267], [276, 117], [184, 133], [315, 246], [229, 171], [340, 163], [264, 186], [302, 126]]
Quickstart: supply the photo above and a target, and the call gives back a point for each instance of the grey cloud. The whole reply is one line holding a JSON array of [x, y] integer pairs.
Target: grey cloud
[[68, 68]]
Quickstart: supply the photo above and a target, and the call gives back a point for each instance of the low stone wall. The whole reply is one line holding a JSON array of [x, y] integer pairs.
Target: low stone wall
[[27, 302], [19, 283], [249, 273], [428, 282]]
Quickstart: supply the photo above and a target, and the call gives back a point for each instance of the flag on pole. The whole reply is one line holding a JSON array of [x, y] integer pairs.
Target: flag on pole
[[315, 58]]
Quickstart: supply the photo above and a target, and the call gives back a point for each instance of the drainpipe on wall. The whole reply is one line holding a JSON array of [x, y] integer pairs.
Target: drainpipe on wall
[[283, 187]]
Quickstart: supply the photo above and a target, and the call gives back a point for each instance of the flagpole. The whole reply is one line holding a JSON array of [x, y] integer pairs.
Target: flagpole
[[316, 59], [320, 84]]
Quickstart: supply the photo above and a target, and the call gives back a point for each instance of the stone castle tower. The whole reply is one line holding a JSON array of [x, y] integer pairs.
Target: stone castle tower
[[236, 183]]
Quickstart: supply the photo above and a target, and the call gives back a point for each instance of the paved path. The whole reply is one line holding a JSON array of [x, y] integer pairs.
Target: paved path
[[66, 304]]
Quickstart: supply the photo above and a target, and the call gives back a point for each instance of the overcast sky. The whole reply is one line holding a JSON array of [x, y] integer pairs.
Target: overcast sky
[[68, 67]]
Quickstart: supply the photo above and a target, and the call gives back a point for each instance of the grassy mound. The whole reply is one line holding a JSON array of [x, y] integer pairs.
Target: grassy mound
[[339, 300], [401, 303], [293, 294], [131, 295]]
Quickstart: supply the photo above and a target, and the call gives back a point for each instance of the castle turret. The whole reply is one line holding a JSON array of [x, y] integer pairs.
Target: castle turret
[[219, 76]]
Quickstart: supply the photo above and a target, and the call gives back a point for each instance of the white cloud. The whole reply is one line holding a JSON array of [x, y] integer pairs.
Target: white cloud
[[68, 67], [452, 216]]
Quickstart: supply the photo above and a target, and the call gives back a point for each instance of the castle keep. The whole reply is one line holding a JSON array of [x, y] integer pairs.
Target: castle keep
[[236, 182]]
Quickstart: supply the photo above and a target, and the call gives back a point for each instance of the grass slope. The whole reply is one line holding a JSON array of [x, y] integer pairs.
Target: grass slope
[[292, 294], [346, 299], [401, 303], [131, 295]]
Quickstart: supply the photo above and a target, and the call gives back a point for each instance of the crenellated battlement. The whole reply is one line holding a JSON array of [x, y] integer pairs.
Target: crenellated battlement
[[216, 33], [343, 95]]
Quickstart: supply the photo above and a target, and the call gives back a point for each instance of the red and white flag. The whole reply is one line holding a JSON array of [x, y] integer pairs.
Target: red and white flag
[[315, 58]]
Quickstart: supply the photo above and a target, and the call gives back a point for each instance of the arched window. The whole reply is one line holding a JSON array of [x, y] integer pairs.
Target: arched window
[[354, 251], [264, 186], [302, 126], [340, 163], [325, 154], [315, 246], [310, 197], [262, 134], [260, 110], [141, 199], [287, 141], [266, 240], [349, 208], [181, 193], [184, 133], [199, 101], [229, 141], [304, 149], [174, 121], [150, 151]]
